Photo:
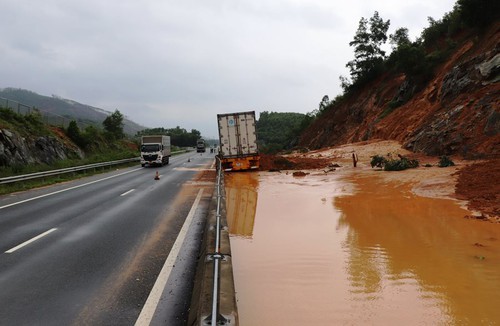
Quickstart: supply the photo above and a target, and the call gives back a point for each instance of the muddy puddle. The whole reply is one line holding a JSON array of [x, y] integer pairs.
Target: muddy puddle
[[321, 250]]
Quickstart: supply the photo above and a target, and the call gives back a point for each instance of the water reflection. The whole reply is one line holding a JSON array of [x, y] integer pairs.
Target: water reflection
[[380, 256], [395, 239], [241, 202]]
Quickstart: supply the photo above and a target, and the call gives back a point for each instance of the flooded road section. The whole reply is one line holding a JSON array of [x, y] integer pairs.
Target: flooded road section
[[319, 250]]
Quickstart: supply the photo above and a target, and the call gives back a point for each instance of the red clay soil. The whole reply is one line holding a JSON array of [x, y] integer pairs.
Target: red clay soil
[[433, 121], [479, 184], [277, 162], [206, 176]]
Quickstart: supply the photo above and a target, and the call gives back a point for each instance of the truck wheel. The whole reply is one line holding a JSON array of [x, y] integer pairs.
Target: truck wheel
[[168, 158], [143, 165]]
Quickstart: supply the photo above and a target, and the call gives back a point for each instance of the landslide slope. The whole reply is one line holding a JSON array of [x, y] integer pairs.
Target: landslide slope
[[456, 112]]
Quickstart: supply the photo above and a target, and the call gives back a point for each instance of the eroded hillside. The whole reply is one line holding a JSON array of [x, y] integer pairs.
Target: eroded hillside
[[457, 112]]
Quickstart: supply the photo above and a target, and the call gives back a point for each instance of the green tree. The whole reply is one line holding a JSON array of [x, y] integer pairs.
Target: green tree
[[113, 125], [93, 137], [400, 38], [411, 59], [368, 54], [325, 102], [73, 132], [178, 136], [479, 13], [278, 130]]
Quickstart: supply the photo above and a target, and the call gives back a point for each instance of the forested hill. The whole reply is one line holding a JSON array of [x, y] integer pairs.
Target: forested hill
[[439, 94], [279, 130], [84, 114]]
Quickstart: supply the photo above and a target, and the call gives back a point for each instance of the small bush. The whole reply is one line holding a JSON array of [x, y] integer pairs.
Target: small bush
[[378, 161], [393, 164], [445, 161], [402, 164]]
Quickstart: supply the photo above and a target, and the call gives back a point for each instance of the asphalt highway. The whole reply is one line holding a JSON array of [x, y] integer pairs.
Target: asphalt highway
[[88, 252]]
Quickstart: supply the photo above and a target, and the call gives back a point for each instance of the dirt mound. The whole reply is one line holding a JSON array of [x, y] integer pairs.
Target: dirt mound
[[478, 184], [278, 162]]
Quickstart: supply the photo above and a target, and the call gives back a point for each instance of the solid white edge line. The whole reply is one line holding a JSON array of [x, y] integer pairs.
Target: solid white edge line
[[126, 193], [154, 297], [30, 241], [71, 188]]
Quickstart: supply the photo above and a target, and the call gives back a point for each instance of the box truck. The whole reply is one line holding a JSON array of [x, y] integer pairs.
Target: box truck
[[238, 141], [155, 150], [200, 146]]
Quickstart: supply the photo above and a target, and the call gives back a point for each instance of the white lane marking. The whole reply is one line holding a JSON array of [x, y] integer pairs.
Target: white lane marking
[[30, 241], [63, 190], [126, 193], [154, 297]]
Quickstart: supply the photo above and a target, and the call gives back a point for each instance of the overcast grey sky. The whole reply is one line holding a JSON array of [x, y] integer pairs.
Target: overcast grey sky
[[167, 63]]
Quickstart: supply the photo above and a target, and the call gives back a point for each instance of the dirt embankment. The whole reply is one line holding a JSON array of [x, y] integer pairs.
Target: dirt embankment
[[455, 113], [472, 181], [478, 184]]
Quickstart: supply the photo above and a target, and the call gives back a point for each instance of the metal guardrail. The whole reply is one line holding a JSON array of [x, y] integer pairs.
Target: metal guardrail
[[36, 175], [216, 317], [214, 296]]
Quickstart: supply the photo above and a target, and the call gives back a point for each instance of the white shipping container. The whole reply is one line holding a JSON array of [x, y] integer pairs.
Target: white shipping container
[[237, 134]]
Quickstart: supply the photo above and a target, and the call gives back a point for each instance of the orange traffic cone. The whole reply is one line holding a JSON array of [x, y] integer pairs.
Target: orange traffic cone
[[157, 176]]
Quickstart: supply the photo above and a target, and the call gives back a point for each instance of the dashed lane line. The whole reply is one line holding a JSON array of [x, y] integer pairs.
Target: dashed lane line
[[24, 244], [67, 189], [126, 193]]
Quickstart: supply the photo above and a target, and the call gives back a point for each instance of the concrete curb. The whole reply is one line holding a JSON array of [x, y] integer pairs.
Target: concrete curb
[[201, 302]]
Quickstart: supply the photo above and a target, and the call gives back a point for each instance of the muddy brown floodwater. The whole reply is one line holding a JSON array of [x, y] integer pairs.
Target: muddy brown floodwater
[[330, 250]]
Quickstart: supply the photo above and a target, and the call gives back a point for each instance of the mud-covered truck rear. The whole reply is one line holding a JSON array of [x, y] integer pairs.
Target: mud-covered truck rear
[[238, 141]]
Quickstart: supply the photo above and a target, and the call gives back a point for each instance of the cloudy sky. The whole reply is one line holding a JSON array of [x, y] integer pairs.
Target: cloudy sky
[[166, 63]]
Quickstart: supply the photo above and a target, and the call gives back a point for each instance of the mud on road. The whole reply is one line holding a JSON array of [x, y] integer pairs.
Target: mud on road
[[473, 182]]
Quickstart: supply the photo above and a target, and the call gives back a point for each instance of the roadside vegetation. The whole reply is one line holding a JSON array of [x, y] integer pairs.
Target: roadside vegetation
[[179, 137], [391, 163], [29, 124], [278, 131], [445, 161], [99, 145]]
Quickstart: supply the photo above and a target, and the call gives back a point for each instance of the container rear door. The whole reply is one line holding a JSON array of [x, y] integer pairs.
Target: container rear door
[[237, 134], [248, 138], [227, 135]]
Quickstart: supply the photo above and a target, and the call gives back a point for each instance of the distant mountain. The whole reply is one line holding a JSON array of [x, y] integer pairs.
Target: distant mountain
[[72, 110]]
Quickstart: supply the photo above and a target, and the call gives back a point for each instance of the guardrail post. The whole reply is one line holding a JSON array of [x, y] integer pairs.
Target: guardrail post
[[214, 301], [216, 317]]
